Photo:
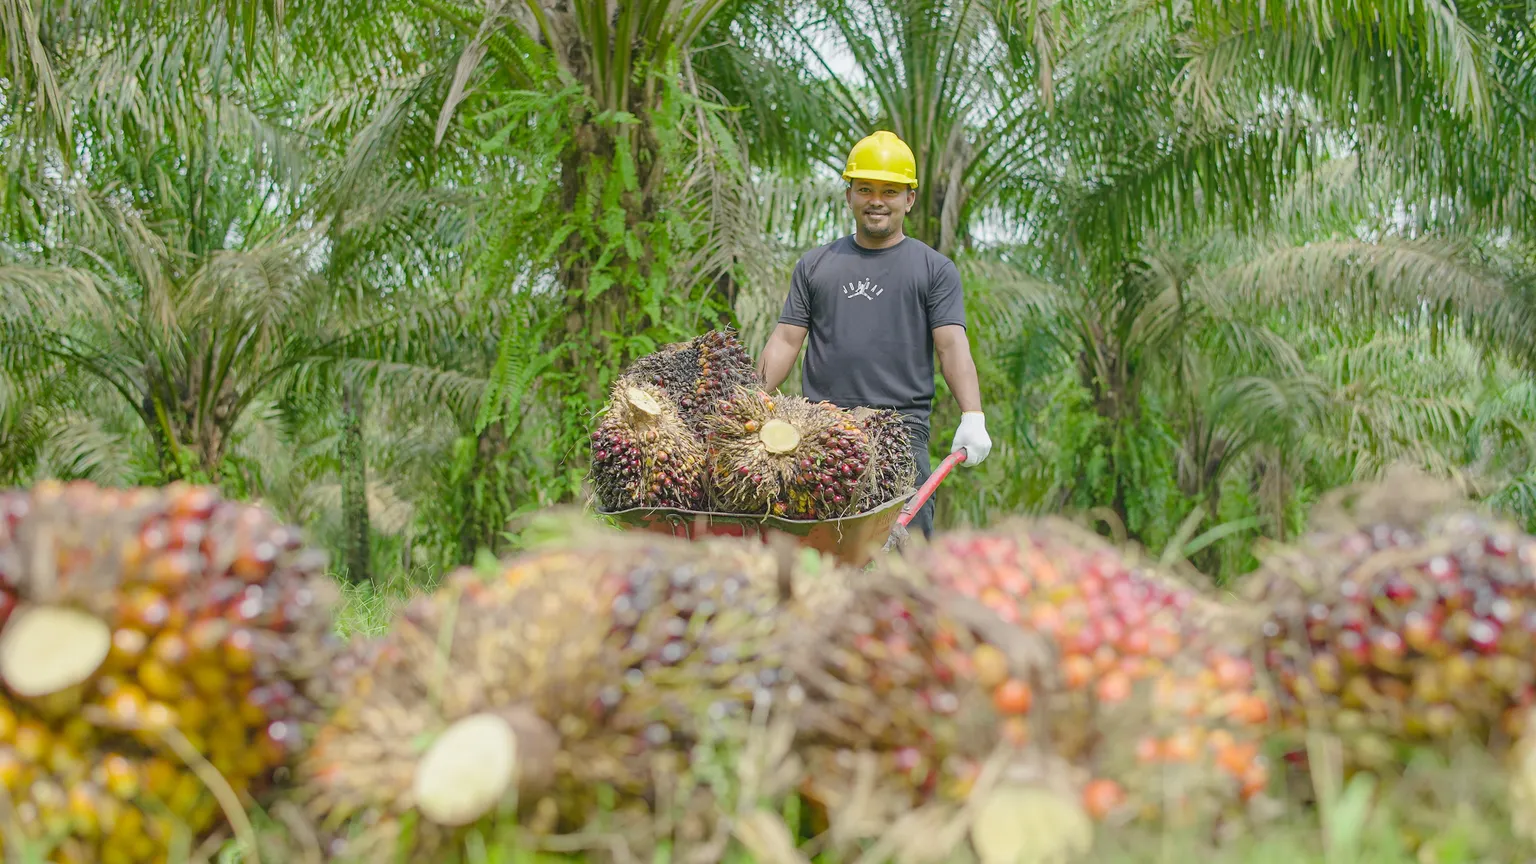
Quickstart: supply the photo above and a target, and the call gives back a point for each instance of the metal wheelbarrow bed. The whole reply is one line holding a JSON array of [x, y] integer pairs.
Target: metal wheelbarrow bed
[[851, 539]]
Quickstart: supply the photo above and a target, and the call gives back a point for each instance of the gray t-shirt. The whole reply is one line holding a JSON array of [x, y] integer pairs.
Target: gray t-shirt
[[870, 314]]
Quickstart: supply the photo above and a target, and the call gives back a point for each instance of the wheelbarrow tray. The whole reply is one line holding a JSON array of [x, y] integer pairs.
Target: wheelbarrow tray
[[851, 539]]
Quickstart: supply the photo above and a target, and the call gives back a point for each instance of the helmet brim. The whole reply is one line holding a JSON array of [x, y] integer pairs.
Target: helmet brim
[[887, 176]]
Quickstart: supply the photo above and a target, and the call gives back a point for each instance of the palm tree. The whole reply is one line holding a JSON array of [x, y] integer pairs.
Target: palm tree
[[177, 262], [625, 99], [1084, 125], [957, 81], [1199, 360]]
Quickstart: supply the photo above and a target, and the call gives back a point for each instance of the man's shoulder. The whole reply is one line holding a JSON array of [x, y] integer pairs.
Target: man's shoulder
[[844, 245], [919, 250], [812, 257], [835, 254]]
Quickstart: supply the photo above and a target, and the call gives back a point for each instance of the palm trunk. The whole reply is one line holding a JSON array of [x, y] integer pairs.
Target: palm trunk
[[1269, 484], [354, 486], [485, 515], [1117, 399], [1208, 560], [587, 171], [588, 168], [151, 411]]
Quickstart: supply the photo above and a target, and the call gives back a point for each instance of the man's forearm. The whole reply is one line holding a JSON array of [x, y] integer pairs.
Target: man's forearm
[[778, 358], [960, 374], [774, 365]]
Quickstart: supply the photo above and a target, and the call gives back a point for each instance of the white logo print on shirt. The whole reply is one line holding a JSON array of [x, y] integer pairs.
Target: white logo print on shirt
[[864, 288]]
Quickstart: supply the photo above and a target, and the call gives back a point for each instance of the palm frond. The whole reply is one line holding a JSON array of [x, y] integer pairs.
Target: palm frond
[[256, 291], [80, 446], [1384, 45], [1349, 276], [29, 68], [44, 296]]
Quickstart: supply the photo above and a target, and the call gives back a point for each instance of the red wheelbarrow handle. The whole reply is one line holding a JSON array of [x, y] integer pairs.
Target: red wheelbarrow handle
[[925, 491]]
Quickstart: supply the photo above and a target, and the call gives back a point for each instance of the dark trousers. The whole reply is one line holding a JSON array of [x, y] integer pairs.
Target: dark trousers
[[919, 437]]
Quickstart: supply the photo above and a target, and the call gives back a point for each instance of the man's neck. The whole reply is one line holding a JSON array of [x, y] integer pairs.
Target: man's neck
[[869, 242]]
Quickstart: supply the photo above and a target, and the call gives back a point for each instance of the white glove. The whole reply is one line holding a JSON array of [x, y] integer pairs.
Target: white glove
[[972, 435]]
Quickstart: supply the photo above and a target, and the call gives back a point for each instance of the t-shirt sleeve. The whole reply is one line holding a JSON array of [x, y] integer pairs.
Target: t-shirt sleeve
[[946, 297], [797, 306]]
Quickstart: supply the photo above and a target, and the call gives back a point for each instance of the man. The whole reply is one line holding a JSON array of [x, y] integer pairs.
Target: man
[[877, 305]]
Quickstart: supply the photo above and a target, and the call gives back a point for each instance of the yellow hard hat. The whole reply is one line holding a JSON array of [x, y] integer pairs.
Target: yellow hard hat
[[882, 156]]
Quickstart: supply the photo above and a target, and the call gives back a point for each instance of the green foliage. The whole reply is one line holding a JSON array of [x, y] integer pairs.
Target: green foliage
[[1203, 286]]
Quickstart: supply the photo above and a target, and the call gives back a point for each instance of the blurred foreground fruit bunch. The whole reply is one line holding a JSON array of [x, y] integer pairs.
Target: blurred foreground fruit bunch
[[1154, 693], [567, 668], [1407, 616], [155, 647], [592, 663]]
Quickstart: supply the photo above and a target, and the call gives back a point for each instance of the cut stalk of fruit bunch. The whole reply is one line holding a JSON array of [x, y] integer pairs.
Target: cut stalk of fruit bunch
[[643, 402], [1027, 824], [779, 437], [45, 650], [467, 770]]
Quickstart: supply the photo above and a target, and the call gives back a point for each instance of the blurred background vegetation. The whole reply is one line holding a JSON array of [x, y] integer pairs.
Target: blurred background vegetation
[[374, 263]]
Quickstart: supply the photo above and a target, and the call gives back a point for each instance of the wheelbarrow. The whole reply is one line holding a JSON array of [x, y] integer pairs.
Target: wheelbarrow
[[851, 540]]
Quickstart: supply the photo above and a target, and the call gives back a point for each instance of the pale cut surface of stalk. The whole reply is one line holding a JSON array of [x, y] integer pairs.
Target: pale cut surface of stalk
[[47, 649]]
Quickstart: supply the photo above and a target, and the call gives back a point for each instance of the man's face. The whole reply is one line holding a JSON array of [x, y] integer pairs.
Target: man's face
[[880, 206]]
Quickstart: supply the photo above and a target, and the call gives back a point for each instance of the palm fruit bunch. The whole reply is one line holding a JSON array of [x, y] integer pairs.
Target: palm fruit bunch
[[673, 367], [572, 667], [910, 674], [152, 628], [787, 456], [595, 661], [724, 365], [895, 468], [644, 454], [1520, 784], [698, 373], [899, 724], [1405, 617], [1164, 706], [77, 799]]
